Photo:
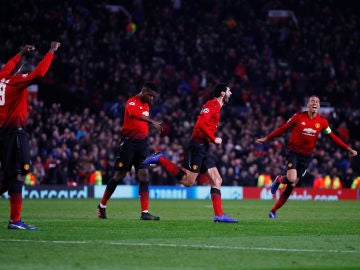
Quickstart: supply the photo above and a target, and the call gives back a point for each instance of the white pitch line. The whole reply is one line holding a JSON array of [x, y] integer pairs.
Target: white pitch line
[[233, 247], [180, 246]]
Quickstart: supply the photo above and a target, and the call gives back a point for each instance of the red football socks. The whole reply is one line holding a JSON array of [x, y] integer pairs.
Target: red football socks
[[283, 198], [169, 166], [110, 188], [15, 206], [216, 201], [144, 201]]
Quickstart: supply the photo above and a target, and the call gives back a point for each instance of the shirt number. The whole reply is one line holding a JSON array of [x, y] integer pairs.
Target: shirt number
[[3, 83]]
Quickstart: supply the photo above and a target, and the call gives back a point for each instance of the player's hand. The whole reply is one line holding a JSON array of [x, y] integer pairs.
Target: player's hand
[[261, 140], [218, 140], [158, 125], [27, 49], [54, 46], [352, 152]]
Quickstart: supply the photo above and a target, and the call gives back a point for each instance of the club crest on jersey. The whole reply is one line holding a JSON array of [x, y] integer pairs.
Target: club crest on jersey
[[205, 110], [290, 165], [317, 125], [195, 167]]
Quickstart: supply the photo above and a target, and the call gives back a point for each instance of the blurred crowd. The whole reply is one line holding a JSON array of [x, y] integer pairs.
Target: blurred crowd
[[109, 48]]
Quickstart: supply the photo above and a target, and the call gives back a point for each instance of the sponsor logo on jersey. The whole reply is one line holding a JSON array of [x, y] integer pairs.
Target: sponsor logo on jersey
[[309, 131]]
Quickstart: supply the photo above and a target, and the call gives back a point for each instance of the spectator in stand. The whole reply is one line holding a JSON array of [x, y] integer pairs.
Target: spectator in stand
[[356, 183], [14, 141], [336, 182], [348, 178], [306, 127], [319, 181], [264, 180], [39, 170]]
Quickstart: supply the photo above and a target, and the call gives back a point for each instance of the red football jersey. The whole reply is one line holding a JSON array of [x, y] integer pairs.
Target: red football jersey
[[207, 122], [305, 132], [13, 91], [133, 126]]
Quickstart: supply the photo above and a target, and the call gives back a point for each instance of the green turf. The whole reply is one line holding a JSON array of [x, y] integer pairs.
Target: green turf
[[308, 235]]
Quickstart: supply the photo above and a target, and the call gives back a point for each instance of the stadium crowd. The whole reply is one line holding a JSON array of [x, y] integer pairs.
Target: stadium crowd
[[272, 63]]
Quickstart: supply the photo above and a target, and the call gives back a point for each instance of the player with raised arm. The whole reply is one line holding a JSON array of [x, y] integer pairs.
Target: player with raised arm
[[306, 127], [197, 157], [14, 141]]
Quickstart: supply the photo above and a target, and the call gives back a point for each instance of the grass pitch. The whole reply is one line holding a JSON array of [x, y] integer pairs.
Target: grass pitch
[[308, 235]]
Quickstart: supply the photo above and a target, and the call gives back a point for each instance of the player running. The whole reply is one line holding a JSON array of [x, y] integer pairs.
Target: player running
[[197, 157], [306, 128]]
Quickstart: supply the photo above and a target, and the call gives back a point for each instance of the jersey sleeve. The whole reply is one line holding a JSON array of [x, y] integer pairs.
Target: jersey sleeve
[[282, 129], [208, 112], [9, 66], [327, 130], [202, 126], [39, 72]]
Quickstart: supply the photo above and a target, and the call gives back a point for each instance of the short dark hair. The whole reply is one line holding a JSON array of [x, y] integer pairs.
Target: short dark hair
[[218, 88], [150, 86], [150, 89]]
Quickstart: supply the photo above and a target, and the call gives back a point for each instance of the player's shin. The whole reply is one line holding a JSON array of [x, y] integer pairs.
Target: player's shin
[[283, 198], [15, 197]]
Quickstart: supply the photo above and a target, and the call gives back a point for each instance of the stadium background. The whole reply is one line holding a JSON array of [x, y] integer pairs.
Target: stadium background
[[273, 64]]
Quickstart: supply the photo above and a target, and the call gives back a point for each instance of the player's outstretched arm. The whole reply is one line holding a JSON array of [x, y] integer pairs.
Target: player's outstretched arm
[[26, 50]]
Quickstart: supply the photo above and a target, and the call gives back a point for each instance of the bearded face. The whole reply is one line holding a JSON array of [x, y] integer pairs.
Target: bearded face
[[227, 95]]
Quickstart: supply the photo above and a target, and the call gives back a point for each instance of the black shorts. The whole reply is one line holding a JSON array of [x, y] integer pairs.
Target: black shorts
[[298, 162], [132, 152], [15, 153], [197, 158]]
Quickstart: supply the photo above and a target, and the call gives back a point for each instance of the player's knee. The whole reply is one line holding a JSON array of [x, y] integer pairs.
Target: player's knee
[[143, 175], [293, 181], [20, 178], [118, 176], [187, 182], [15, 186]]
